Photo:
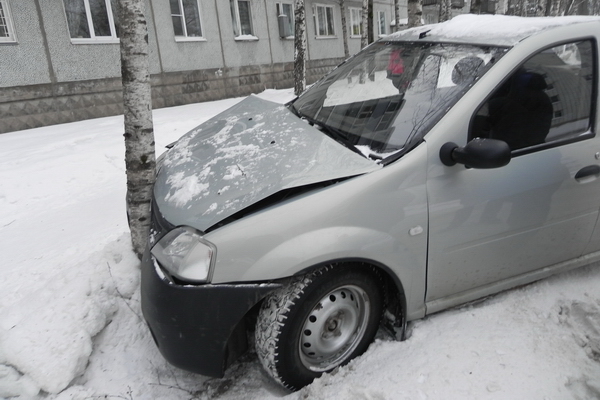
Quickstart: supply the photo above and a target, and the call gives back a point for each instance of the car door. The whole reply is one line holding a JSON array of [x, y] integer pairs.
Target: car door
[[490, 225]]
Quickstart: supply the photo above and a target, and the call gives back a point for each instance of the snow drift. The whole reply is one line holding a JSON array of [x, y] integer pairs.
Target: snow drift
[[71, 326]]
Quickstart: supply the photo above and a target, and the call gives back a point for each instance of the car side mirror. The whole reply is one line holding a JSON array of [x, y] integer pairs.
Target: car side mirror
[[478, 153]]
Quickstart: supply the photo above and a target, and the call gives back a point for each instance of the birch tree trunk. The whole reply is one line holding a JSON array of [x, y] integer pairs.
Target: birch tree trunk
[[516, 7], [364, 37], [524, 7], [299, 47], [415, 13], [445, 10], [371, 31], [567, 6], [139, 132], [594, 7], [511, 7], [397, 15], [540, 8], [554, 8], [344, 28]]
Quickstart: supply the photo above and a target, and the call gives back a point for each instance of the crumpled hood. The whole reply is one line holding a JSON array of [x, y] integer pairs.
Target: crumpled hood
[[243, 155]]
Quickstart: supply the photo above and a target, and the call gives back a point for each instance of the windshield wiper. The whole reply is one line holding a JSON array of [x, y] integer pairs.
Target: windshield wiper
[[336, 134], [293, 108]]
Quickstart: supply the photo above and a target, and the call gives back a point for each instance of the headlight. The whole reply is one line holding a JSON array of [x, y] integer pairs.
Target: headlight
[[186, 255]]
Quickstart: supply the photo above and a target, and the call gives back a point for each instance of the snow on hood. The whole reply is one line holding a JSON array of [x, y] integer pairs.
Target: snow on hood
[[245, 154], [501, 30]]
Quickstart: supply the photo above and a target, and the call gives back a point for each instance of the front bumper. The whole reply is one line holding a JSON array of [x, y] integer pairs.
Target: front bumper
[[198, 328]]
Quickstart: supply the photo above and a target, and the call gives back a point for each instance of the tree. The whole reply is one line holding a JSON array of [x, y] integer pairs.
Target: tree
[[140, 159], [550, 8], [344, 28], [364, 37], [415, 13], [445, 10], [371, 31], [397, 15], [299, 47], [475, 7], [568, 7], [517, 7]]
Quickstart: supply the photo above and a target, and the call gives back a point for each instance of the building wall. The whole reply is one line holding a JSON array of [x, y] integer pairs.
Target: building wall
[[24, 62], [238, 53], [185, 55], [47, 78], [282, 50]]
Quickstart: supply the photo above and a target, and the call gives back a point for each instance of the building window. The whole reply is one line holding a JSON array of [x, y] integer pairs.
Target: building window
[[91, 19], [324, 20], [355, 22], [382, 23], [241, 18], [6, 29], [186, 18], [285, 16]]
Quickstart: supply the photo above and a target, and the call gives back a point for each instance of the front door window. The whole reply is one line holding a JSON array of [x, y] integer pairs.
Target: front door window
[[547, 100]]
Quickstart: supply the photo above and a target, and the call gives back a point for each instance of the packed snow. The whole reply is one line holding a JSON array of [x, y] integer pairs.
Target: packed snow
[[497, 29], [71, 325]]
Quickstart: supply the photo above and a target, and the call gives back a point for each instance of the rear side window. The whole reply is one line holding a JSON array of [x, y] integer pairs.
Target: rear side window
[[546, 101]]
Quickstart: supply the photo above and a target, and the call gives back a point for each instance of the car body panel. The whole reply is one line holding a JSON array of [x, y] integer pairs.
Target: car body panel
[[487, 226], [368, 217], [194, 338], [243, 155]]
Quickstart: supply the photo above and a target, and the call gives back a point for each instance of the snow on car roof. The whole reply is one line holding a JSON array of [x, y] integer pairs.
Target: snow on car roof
[[499, 30]]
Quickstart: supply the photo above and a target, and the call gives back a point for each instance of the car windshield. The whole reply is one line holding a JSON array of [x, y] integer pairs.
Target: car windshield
[[388, 96]]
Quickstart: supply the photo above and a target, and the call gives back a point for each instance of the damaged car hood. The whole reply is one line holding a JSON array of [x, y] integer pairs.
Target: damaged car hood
[[243, 155]]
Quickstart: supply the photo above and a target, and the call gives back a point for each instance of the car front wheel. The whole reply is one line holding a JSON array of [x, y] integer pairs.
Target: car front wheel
[[318, 322]]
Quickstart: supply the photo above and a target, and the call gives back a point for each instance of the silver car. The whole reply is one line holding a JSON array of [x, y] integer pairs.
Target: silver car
[[439, 165]]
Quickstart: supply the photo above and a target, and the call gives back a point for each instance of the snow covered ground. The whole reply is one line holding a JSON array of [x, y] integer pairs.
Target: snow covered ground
[[71, 326]]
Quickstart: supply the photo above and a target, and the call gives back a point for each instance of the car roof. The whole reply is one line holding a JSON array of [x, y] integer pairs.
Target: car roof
[[498, 30]]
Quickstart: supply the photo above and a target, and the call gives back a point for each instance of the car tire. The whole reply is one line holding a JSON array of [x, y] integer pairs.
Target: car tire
[[318, 322]]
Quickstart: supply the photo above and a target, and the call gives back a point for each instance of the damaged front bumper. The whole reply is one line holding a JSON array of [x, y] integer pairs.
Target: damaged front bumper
[[199, 328]]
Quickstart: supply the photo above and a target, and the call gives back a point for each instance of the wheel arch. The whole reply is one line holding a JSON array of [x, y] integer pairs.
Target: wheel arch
[[395, 302], [305, 316]]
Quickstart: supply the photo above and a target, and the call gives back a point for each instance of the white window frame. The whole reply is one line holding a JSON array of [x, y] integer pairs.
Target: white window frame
[[6, 16], [325, 7], [186, 37], [113, 38], [237, 23], [279, 10], [382, 25], [355, 22]]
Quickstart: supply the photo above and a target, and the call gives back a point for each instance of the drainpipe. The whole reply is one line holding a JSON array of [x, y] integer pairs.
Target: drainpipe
[[51, 73]]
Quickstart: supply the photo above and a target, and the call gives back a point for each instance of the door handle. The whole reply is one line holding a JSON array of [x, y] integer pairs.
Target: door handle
[[587, 174]]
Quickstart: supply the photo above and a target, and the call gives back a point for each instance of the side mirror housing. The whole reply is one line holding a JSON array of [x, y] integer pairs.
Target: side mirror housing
[[478, 153]]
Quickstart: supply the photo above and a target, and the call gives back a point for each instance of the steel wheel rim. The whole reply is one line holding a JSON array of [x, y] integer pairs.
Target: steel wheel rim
[[334, 328]]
